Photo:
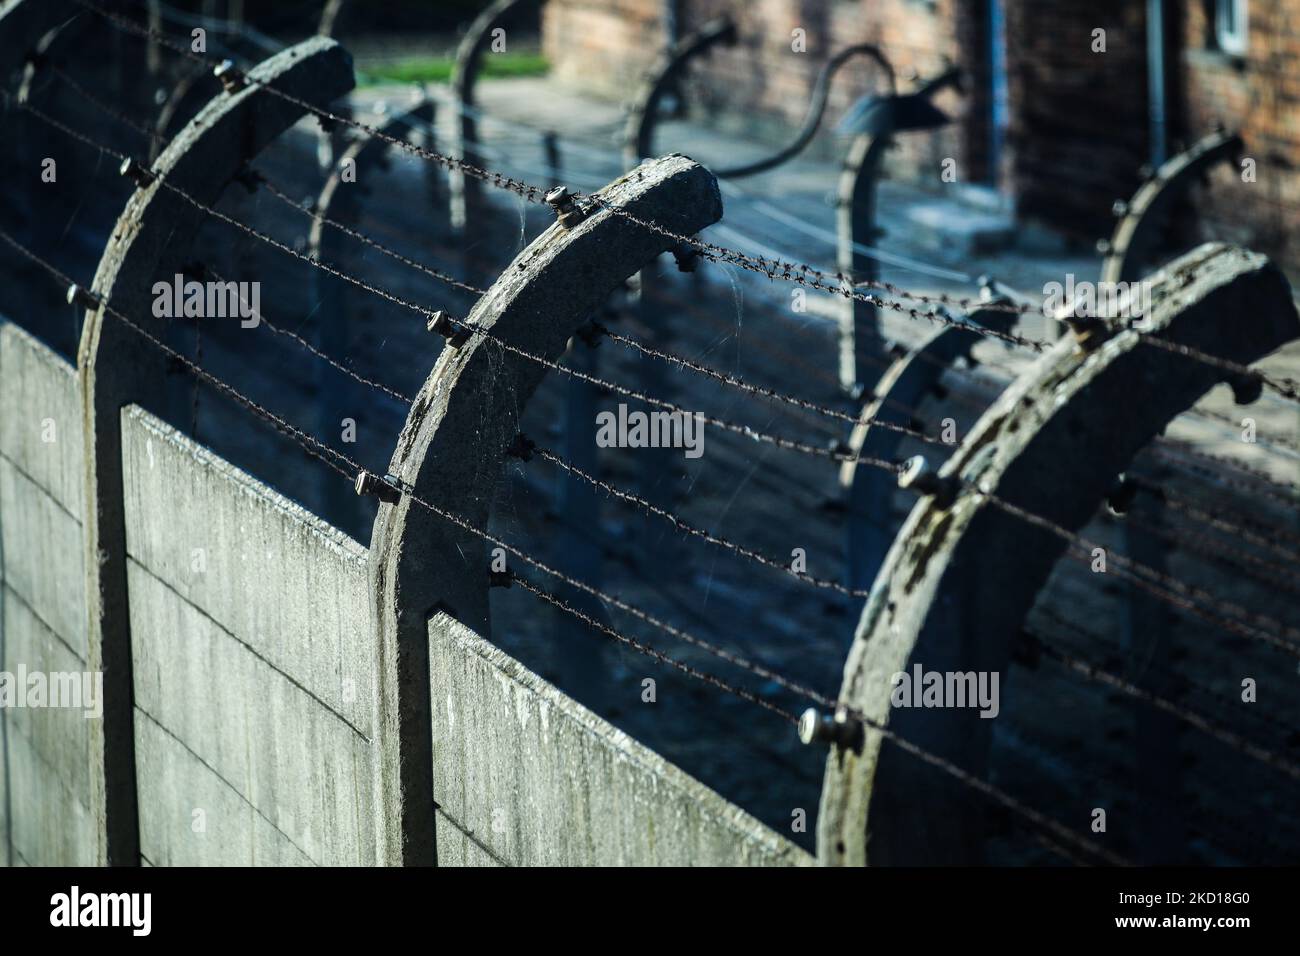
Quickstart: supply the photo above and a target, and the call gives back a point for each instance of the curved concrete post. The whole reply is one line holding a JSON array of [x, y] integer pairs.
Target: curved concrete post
[[881, 118], [117, 367], [911, 378], [963, 573], [1144, 627], [450, 455], [34, 33], [1142, 216], [643, 117], [466, 191]]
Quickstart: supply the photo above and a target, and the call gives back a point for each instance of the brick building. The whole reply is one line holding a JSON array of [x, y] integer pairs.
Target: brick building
[[1057, 116]]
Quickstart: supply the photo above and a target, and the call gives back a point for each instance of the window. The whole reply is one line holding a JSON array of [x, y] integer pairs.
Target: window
[[1230, 26]]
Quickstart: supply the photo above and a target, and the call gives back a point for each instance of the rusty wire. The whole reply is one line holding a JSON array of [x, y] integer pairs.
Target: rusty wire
[[341, 463], [798, 273]]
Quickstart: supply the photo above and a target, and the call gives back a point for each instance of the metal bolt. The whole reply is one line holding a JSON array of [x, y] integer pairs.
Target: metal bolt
[[687, 257], [385, 489], [82, 297], [232, 79], [453, 332], [135, 172], [842, 728], [567, 211], [1246, 388], [1103, 247], [1120, 500], [917, 475], [1088, 331], [1119, 209], [521, 447]]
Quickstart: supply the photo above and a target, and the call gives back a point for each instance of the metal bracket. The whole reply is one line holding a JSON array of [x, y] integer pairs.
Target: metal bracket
[[959, 580]]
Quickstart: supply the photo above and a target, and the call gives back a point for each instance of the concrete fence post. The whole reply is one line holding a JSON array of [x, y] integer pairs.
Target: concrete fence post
[[964, 570], [466, 191], [450, 455], [117, 367], [913, 376]]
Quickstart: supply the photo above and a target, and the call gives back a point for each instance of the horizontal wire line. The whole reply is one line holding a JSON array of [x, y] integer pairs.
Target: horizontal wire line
[[685, 527], [745, 430], [308, 346], [330, 457], [800, 274], [1098, 674], [1147, 578], [321, 449], [716, 375], [778, 441]]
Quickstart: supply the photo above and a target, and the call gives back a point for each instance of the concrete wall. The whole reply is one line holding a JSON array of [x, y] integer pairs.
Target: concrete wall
[[255, 683], [254, 677], [525, 776], [44, 811]]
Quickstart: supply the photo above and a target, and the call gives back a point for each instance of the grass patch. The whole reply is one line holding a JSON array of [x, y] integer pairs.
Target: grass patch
[[437, 69]]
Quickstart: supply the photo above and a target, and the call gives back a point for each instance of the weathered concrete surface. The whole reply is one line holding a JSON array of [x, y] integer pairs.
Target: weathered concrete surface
[[61, 833], [961, 577], [42, 549], [197, 818], [283, 751], [452, 447], [45, 786], [282, 581], [58, 734], [249, 625], [46, 751], [38, 392], [539, 780], [117, 366]]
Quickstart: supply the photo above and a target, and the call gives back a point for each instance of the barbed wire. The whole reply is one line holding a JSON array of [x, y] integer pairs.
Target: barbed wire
[[598, 329], [337, 462], [798, 273], [525, 449], [834, 453], [1092, 672], [1180, 594]]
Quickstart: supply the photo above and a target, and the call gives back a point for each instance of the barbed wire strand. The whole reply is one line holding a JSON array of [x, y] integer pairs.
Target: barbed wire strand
[[778, 441], [801, 274], [332, 459]]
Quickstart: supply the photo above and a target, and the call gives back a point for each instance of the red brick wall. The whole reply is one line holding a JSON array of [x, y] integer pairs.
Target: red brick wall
[[1260, 97], [1079, 120], [761, 84]]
